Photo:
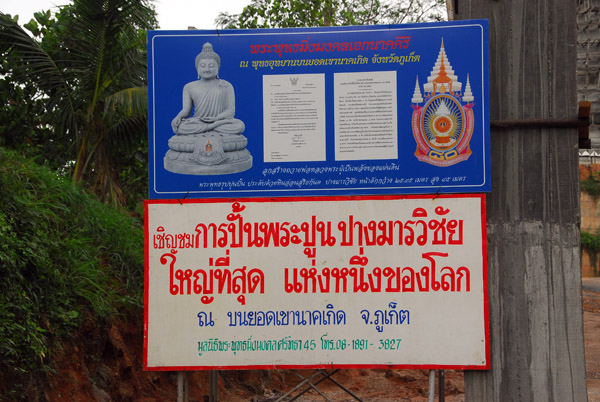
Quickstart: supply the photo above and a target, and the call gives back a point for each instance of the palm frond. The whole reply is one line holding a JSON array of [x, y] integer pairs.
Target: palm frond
[[125, 115], [127, 102], [39, 66], [92, 69]]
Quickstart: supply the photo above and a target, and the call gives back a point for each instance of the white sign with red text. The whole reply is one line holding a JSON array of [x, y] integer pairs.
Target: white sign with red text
[[374, 281]]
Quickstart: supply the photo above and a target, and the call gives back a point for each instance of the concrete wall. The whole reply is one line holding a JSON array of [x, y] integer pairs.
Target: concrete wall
[[588, 89], [588, 62], [590, 220]]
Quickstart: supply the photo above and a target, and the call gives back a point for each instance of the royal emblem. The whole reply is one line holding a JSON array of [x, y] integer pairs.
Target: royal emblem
[[443, 126]]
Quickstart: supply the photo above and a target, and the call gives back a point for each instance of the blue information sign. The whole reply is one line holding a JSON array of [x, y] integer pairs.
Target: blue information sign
[[319, 111]]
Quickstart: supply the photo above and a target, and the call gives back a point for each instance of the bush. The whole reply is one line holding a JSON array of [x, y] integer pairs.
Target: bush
[[62, 254], [591, 184], [590, 243]]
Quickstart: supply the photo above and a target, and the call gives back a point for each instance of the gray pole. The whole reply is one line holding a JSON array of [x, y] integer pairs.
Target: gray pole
[[182, 386], [213, 380], [431, 391], [536, 318]]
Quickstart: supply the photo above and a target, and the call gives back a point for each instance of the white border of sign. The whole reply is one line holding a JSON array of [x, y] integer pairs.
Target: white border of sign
[[344, 282]]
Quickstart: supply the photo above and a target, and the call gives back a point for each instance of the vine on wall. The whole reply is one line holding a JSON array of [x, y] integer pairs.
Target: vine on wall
[[591, 185]]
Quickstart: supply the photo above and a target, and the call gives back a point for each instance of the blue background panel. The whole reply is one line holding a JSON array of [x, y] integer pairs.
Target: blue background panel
[[245, 59]]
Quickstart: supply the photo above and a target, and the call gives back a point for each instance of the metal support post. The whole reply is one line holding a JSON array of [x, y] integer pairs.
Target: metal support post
[[213, 376], [431, 393], [182, 387]]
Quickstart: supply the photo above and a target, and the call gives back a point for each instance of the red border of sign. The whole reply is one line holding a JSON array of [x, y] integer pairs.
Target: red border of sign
[[482, 197]]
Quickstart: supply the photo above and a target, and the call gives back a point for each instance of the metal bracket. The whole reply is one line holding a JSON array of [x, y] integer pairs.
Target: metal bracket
[[582, 122]]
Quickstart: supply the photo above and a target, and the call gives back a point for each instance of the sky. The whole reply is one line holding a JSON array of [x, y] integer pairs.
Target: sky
[[172, 14]]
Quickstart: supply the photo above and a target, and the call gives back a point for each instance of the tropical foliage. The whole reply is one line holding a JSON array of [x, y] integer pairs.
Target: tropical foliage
[[64, 255], [79, 79], [307, 13]]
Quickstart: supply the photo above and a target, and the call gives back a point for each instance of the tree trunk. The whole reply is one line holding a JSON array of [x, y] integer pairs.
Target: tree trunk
[[536, 318]]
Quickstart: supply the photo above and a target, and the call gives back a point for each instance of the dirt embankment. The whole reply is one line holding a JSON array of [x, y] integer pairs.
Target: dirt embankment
[[104, 365]]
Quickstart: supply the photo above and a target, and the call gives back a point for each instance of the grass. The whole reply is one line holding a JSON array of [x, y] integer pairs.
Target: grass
[[63, 255]]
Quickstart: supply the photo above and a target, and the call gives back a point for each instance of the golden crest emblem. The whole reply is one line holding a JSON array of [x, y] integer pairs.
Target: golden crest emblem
[[443, 126]]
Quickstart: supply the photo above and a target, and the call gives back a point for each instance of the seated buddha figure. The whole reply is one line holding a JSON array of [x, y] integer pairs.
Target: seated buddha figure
[[211, 135]]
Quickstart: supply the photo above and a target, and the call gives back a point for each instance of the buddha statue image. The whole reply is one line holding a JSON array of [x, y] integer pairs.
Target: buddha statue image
[[208, 138]]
